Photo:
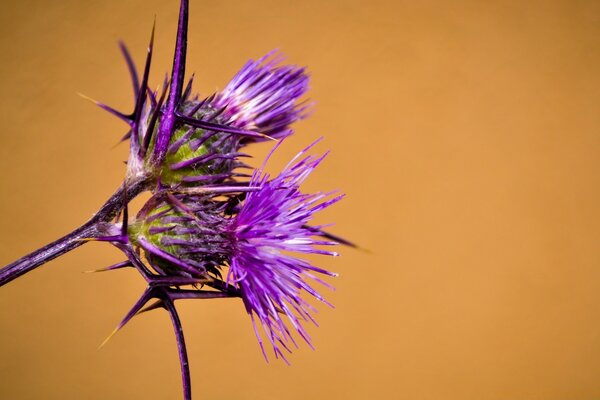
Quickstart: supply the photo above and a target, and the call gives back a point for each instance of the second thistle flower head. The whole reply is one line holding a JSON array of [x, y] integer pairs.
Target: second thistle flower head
[[179, 139], [272, 226], [255, 240]]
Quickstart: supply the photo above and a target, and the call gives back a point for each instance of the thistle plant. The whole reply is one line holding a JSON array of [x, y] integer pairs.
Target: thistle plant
[[213, 227]]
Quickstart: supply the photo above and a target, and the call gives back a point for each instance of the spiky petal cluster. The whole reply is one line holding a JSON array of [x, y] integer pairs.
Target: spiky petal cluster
[[262, 96], [197, 235], [272, 225]]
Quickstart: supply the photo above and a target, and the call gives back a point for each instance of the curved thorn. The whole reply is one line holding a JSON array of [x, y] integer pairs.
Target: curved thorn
[[135, 82]]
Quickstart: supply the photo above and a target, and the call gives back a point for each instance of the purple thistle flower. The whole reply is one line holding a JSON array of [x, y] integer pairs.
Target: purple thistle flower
[[196, 236], [204, 216], [262, 96], [183, 140], [273, 222]]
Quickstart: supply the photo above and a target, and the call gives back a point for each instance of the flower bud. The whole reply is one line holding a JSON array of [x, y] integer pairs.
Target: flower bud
[[183, 236]]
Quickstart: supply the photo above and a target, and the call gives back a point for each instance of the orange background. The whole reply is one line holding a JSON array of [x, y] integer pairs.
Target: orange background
[[465, 134]]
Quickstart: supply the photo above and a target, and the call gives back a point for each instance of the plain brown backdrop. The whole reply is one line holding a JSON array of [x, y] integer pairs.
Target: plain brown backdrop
[[465, 134]]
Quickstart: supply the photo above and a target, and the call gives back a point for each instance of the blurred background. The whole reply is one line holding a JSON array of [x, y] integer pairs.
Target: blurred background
[[465, 135]]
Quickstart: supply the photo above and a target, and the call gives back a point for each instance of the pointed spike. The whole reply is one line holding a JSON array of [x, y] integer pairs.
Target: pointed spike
[[107, 339], [181, 294], [210, 98], [146, 296], [154, 306], [123, 264], [124, 138], [188, 89], [152, 97], [135, 81], [139, 104], [335, 238], [118, 114], [220, 128], [152, 123], [151, 248], [216, 189]]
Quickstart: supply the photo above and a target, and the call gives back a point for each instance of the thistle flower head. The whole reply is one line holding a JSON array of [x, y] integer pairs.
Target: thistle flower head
[[205, 139], [270, 227], [263, 96], [258, 239]]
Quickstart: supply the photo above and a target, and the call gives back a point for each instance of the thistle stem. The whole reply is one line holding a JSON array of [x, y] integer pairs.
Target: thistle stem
[[183, 358], [72, 240]]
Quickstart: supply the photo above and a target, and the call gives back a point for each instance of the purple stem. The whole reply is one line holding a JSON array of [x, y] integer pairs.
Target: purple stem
[[72, 240], [183, 358]]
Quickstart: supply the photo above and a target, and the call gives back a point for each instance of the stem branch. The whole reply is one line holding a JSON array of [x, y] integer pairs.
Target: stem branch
[[72, 240]]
